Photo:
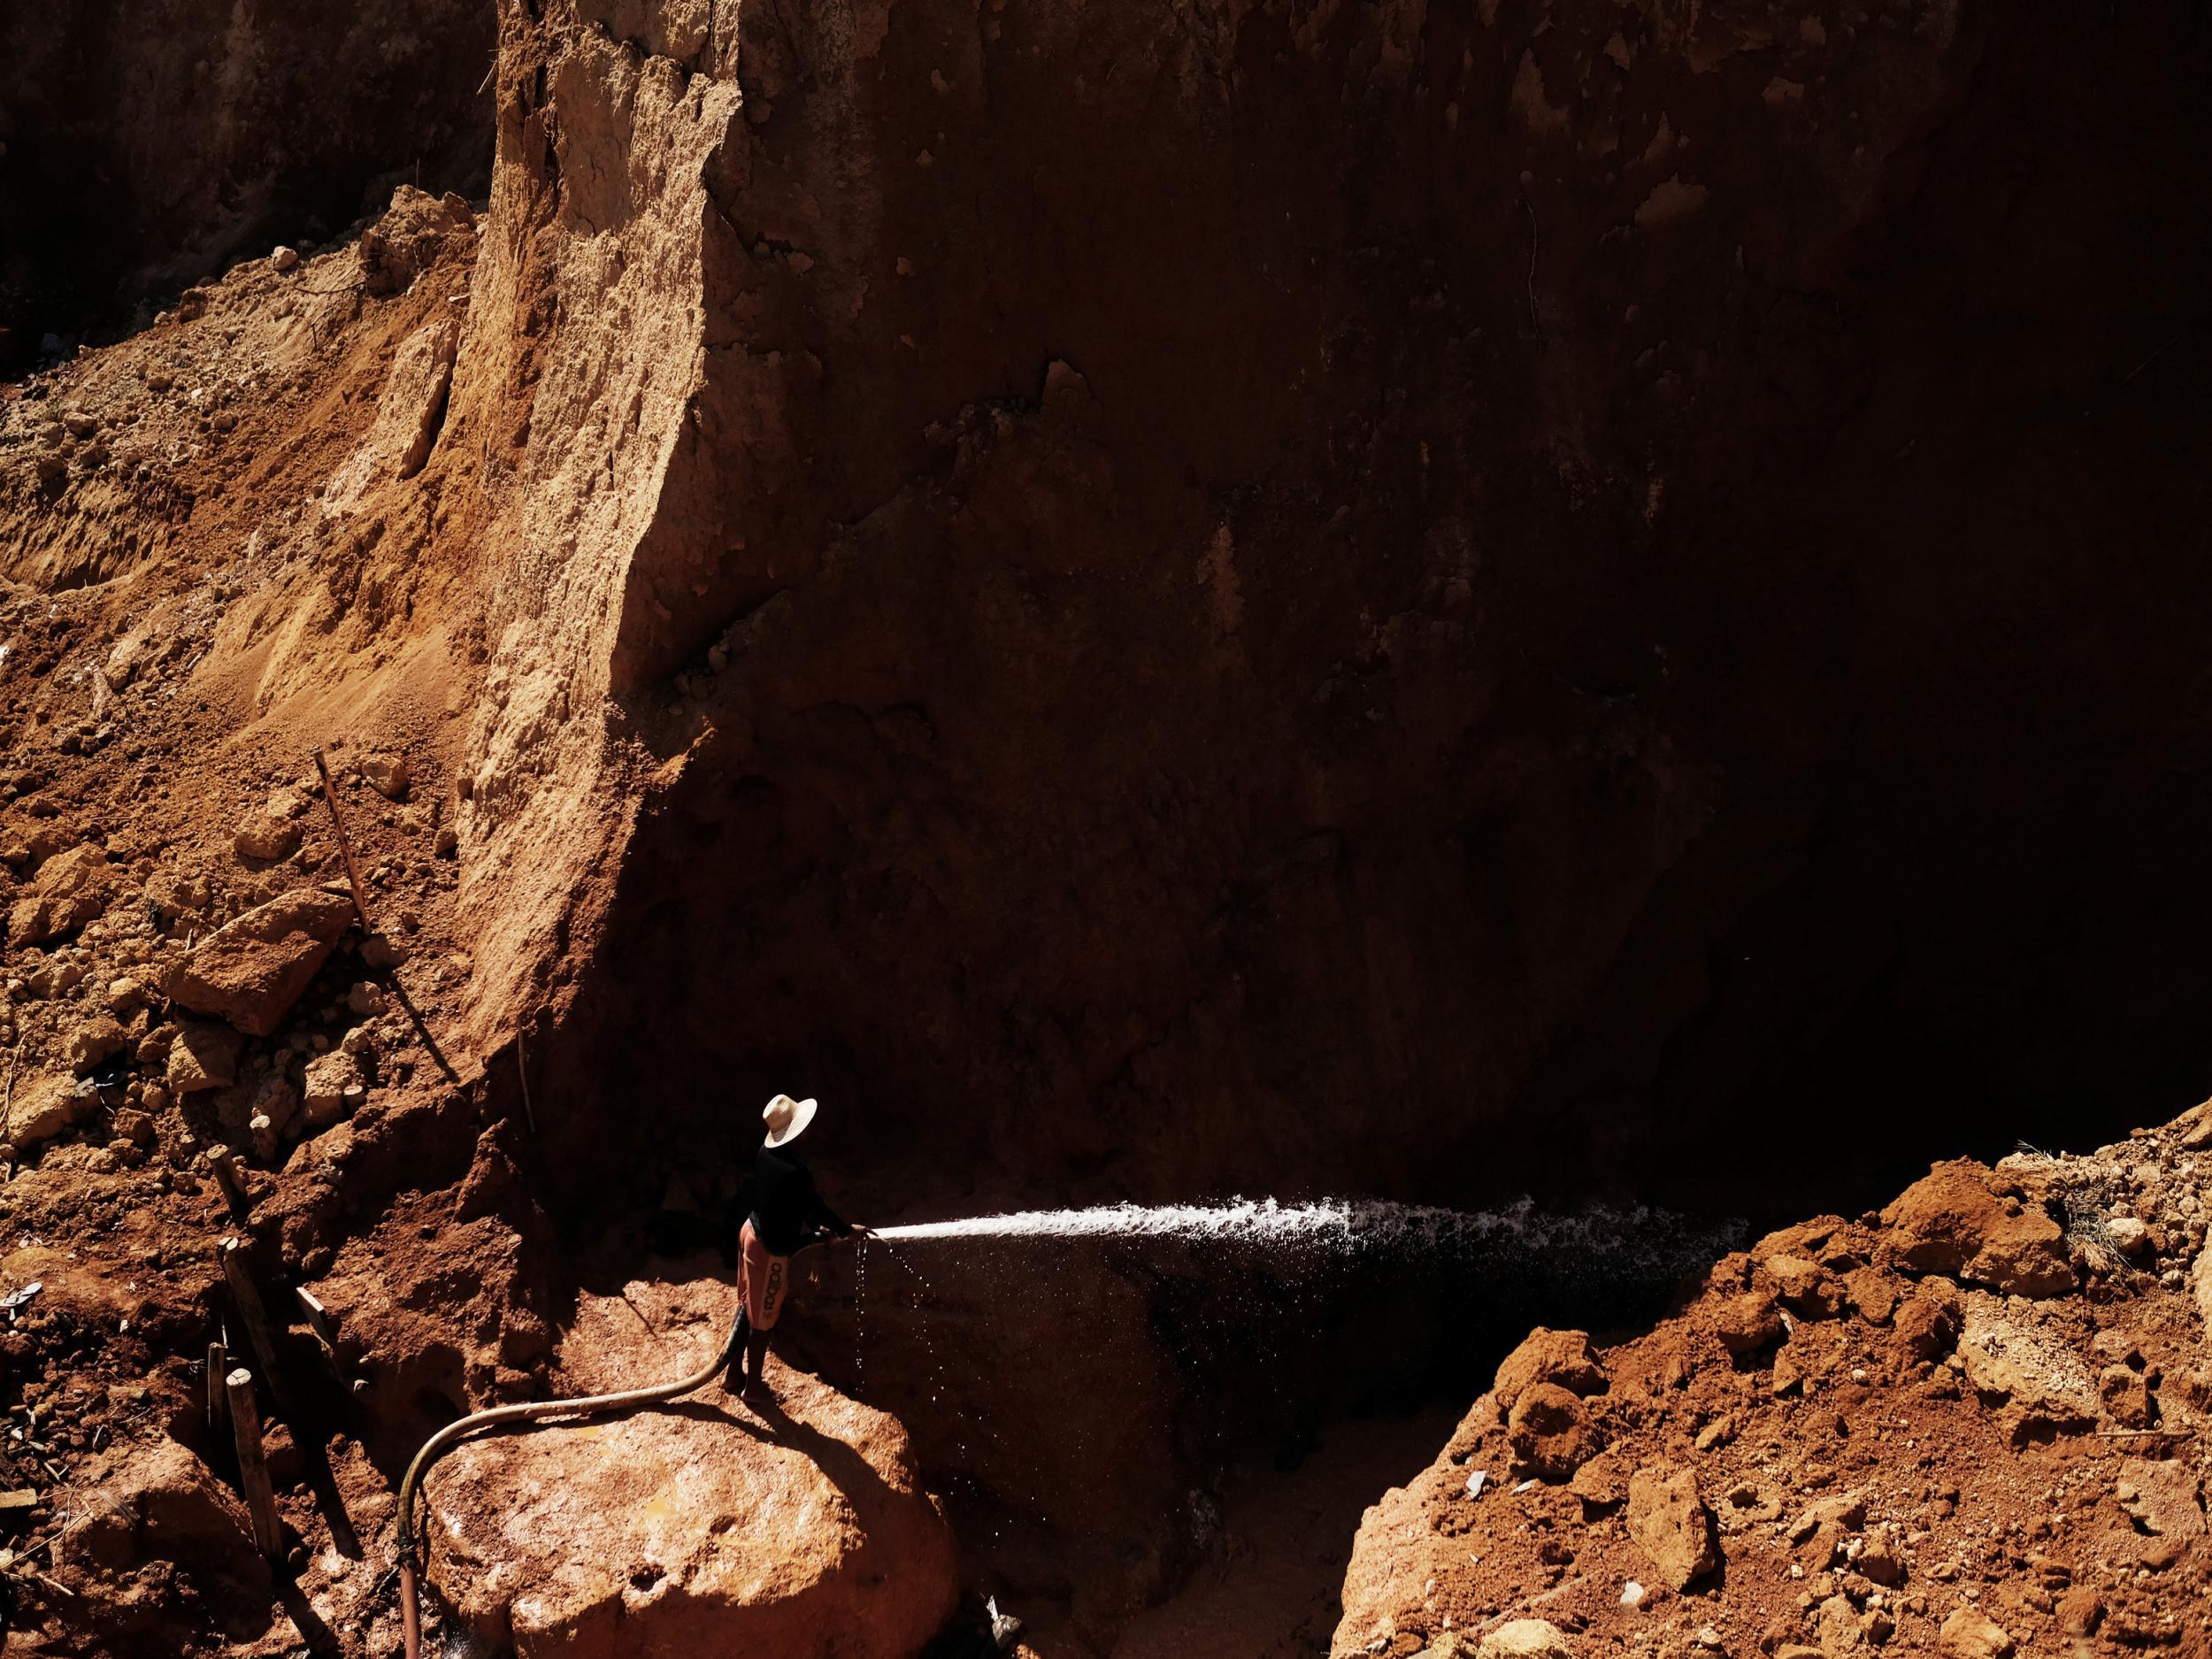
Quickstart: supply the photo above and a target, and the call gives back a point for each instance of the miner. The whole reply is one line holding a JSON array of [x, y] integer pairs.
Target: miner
[[787, 1214]]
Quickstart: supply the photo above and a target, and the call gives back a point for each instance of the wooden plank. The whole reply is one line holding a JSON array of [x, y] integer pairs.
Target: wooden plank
[[224, 1162]]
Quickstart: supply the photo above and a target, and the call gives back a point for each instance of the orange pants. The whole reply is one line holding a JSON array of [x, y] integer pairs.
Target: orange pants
[[766, 1278]]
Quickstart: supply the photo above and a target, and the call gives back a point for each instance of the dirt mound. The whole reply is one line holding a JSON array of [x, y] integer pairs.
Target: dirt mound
[[1840, 1442]]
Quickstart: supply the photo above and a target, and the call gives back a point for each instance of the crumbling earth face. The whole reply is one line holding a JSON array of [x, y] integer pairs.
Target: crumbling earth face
[[1151, 604]]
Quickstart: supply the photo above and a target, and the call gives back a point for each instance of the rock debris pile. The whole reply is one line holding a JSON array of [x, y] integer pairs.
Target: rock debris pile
[[1974, 1423]]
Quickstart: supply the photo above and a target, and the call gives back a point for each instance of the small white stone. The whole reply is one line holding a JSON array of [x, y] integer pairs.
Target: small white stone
[[2129, 1236]]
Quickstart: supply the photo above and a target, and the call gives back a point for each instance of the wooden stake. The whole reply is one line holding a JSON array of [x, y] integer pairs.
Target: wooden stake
[[217, 1368], [254, 1317], [345, 847], [253, 1468], [224, 1162], [326, 1335]]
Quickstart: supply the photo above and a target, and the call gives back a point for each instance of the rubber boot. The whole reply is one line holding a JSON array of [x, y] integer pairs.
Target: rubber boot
[[756, 1366], [733, 1379]]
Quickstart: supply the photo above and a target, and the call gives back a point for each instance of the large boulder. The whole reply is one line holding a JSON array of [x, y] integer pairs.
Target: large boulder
[[251, 971], [1956, 1220], [70, 889], [705, 1529]]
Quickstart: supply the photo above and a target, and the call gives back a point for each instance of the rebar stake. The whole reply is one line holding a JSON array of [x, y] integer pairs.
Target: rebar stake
[[345, 846]]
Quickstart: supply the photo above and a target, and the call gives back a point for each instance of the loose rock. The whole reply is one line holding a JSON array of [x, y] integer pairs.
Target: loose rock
[[97, 1039], [158, 1501], [330, 1078], [1928, 1321], [1550, 1431], [204, 1056], [2080, 1610], [2164, 1497], [251, 972], [1672, 1526], [264, 837], [44, 1108], [380, 951], [1748, 1322], [70, 889], [387, 775], [1954, 1221], [1560, 1357], [1970, 1634], [1526, 1638]]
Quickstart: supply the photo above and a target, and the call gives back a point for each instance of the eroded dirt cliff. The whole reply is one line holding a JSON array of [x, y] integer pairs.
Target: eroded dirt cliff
[[1491, 601]]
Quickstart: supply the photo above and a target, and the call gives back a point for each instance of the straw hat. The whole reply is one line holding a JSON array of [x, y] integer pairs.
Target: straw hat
[[787, 1119]]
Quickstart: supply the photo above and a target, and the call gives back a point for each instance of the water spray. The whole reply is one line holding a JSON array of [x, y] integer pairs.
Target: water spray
[[1343, 1226], [1335, 1224]]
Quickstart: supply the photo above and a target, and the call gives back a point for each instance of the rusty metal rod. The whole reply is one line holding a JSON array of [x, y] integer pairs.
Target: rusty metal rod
[[345, 845], [217, 1368]]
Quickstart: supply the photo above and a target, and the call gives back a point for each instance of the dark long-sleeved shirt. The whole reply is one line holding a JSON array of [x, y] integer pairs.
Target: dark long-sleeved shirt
[[786, 1207]]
